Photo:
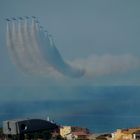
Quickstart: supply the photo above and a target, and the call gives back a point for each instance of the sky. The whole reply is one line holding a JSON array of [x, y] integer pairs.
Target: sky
[[100, 36]]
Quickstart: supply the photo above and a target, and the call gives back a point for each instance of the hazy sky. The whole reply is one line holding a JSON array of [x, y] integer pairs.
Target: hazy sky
[[102, 36]]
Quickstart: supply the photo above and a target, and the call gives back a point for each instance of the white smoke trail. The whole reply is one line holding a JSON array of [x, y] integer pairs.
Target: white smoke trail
[[32, 47], [36, 45], [12, 44], [35, 52], [21, 47], [43, 48], [17, 44], [26, 39], [19, 39]]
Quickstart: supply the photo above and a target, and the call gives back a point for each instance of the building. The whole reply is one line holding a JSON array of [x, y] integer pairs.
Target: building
[[12, 128], [136, 135], [64, 130], [72, 132], [100, 136], [77, 135], [126, 134]]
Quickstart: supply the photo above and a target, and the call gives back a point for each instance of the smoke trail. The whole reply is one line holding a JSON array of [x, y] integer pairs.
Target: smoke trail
[[26, 39], [11, 40], [10, 45], [21, 47], [34, 51], [52, 55], [19, 43], [23, 41], [35, 48], [61, 65], [32, 48]]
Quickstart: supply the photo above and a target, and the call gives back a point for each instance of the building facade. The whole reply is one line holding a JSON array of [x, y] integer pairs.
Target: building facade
[[72, 132], [126, 134]]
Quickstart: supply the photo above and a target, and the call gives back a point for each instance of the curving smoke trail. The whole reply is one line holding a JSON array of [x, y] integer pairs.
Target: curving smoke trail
[[33, 50], [55, 59]]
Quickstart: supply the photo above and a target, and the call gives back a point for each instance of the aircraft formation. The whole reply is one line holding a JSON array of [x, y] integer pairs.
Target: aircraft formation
[[33, 50]]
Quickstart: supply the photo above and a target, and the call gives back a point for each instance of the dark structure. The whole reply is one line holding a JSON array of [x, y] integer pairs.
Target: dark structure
[[21, 127]]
